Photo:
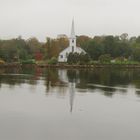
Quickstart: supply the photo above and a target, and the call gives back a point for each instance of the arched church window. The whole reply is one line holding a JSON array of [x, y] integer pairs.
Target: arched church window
[[72, 41]]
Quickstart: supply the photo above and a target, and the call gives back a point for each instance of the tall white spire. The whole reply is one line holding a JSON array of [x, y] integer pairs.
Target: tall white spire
[[72, 30], [72, 40]]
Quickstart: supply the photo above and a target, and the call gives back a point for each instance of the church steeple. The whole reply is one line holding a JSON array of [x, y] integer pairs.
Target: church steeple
[[72, 30], [73, 38]]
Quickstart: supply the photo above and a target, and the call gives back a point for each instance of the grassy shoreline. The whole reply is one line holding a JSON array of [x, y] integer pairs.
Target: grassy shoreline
[[86, 66]]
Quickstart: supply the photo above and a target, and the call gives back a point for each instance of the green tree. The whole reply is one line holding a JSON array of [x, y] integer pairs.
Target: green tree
[[136, 54]]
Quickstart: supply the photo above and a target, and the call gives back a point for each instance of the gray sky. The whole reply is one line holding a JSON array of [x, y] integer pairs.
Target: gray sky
[[41, 18]]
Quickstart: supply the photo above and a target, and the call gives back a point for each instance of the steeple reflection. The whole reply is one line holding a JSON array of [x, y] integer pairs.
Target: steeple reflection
[[72, 95]]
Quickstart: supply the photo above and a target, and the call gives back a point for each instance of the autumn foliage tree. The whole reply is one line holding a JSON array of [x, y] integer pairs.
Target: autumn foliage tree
[[54, 46]]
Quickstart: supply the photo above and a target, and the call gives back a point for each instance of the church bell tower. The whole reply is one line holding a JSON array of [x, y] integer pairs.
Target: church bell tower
[[72, 38]]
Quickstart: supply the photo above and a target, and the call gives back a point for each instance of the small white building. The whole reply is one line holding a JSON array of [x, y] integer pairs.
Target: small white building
[[72, 48]]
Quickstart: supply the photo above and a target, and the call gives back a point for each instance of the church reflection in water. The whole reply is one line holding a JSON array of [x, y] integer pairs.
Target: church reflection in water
[[107, 81], [63, 76], [67, 82], [72, 94]]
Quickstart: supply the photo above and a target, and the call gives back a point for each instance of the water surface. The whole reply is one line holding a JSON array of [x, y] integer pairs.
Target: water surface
[[56, 104]]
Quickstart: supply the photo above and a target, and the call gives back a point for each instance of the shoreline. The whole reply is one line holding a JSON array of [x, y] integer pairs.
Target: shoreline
[[72, 66]]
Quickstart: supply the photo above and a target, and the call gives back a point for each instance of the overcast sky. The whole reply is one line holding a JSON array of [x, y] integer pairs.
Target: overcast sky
[[41, 18]]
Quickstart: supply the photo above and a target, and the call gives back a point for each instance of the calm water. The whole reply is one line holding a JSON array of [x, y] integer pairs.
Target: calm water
[[41, 104]]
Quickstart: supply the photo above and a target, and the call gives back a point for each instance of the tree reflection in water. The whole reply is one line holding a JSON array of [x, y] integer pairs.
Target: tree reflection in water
[[107, 81]]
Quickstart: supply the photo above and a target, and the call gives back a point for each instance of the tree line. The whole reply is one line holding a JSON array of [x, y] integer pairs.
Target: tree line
[[97, 48]]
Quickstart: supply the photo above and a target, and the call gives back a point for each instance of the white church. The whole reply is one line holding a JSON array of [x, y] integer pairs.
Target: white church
[[72, 48]]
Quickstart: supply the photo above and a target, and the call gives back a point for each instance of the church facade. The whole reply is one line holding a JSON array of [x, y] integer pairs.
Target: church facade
[[72, 48]]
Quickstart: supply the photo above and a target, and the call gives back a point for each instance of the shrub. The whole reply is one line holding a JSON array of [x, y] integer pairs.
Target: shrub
[[29, 61], [73, 58], [84, 58], [106, 58], [53, 61], [93, 62], [76, 58]]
